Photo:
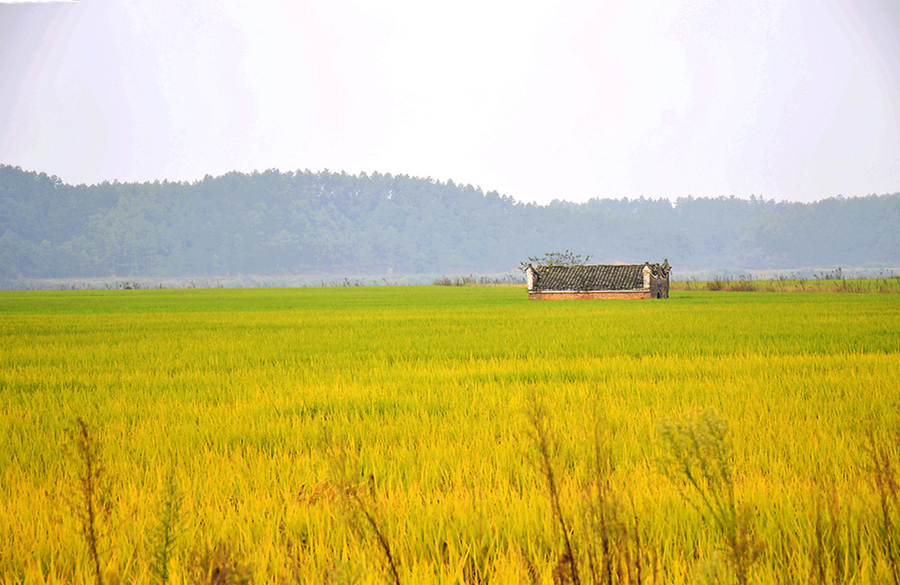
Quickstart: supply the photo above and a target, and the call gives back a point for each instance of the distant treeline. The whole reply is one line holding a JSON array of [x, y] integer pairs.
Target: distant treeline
[[271, 223]]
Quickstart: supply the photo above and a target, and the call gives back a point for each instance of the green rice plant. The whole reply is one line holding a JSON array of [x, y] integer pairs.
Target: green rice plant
[[698, 458]]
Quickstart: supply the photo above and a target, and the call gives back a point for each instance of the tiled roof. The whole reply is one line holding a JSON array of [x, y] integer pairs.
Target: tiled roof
[[594, 277]]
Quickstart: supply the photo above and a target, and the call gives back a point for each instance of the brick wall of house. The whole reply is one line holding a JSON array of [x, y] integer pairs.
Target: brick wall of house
[[566, 296]]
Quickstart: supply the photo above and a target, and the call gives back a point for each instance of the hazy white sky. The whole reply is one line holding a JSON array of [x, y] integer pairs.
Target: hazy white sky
[[567, 99]]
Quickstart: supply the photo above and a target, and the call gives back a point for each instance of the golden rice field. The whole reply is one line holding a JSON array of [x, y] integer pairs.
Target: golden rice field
[[411, 434]]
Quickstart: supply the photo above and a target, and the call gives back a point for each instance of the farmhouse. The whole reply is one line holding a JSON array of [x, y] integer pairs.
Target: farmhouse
[[599, 281]]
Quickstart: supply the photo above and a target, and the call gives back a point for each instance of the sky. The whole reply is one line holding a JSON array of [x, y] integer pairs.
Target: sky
[[558, 99]]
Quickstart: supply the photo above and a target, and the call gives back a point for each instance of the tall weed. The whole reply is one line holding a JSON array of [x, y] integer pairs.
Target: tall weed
[[90, 501], [567, 566], [165, 534], [884, 475], [698, 459]]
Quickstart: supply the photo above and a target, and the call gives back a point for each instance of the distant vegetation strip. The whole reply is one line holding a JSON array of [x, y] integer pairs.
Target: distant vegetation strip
[[833, 281], [282, 281], [276, 224]]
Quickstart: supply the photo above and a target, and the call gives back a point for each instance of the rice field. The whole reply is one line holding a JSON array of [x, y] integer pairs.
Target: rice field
[[448, 435]]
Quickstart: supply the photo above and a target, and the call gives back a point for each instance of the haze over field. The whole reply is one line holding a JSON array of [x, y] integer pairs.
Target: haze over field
[[570, 99]]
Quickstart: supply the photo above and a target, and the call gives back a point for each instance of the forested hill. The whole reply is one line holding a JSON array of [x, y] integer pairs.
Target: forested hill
[[327, 223]]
